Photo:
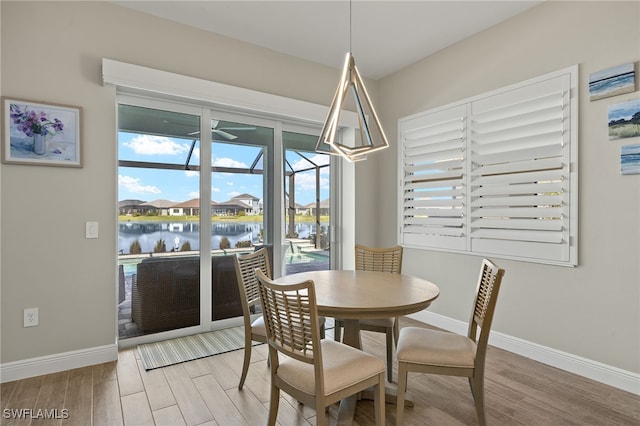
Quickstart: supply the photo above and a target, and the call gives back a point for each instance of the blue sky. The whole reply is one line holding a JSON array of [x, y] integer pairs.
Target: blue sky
[[624, 109], [179, 185], [610, 72]]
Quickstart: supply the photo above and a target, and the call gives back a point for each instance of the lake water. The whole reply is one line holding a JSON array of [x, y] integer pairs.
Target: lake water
[[177, 233], [611, 85], [630, 160]]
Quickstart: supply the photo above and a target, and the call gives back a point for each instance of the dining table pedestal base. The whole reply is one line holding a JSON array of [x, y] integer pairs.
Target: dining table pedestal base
[[347, 409], [390, 395]]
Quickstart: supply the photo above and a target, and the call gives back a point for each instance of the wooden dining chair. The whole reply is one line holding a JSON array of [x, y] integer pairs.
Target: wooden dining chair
[[246, 265], [439, 352], [380, 260], [317, 372], [250, 300]]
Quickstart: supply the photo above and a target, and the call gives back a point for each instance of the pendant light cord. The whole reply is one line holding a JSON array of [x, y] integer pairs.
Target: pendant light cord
[[350, 25]]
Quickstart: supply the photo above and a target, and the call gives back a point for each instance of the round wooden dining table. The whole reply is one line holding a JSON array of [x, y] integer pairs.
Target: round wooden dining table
[[355, 295]]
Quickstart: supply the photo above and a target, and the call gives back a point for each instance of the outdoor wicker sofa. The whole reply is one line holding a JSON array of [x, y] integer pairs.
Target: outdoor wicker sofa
[[165, 292]]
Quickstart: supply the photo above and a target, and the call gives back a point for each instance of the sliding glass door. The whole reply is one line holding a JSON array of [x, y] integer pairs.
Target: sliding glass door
[[308, 202], [240, 153], [158, 219], [179, 227]]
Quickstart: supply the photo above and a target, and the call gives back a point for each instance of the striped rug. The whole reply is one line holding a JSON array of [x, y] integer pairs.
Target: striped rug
[[188, 348]]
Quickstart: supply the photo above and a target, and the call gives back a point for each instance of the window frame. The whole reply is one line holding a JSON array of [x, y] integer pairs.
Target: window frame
[[495, 148]]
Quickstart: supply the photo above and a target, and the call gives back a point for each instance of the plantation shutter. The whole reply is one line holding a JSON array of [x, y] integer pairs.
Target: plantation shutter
[[433, 190], [520, 172], [496, 174]]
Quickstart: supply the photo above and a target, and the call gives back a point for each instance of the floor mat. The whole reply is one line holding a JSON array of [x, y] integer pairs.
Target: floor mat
[[188, 348]]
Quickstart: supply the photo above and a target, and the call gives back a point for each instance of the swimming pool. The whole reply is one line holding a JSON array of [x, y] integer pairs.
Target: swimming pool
[[306, 257]]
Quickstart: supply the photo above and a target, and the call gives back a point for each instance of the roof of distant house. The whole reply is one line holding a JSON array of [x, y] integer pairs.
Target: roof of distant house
[[129, 203], [233, 203], [324, 204], [245, 196], [160, 204], [193, 203]]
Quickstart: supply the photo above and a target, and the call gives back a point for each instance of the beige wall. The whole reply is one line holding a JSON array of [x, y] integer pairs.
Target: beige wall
[[592, 311], [53, 52]]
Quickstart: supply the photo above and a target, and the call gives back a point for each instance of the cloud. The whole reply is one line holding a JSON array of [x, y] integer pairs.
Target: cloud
[[232, 194], [132, 184], [156, 145], [191, 173], [307, 181], [229, 162], [317, 159], [194, 194]]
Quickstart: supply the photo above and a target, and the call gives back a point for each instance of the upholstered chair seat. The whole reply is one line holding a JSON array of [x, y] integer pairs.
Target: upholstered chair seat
[[438, 348], [343, 366]]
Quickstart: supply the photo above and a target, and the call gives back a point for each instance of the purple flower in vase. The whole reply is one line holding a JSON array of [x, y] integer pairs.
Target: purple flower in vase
[[31, 122]]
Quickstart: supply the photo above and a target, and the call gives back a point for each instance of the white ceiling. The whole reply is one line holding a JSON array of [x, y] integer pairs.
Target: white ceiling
[[385, 35]]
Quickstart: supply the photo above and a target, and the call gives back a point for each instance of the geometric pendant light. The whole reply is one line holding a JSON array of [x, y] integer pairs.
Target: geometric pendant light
[[353, 146]]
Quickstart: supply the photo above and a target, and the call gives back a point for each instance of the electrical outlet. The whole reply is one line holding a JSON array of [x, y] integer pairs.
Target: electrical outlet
[[30, 317]]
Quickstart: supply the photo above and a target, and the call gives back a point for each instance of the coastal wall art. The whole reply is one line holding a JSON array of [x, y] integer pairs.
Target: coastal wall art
[[612, 81], [38, 133], [630, 159], [624, 119]]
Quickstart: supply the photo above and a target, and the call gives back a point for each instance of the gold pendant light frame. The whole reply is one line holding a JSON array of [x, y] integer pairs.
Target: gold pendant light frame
[[351, 80]]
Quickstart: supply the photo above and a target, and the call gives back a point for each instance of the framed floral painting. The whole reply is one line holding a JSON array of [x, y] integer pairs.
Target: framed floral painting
[[43, 134]]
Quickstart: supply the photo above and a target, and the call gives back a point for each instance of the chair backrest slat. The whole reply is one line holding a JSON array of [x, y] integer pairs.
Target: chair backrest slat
[[378, 259], [245, 270], [485, 301], [291, 319]]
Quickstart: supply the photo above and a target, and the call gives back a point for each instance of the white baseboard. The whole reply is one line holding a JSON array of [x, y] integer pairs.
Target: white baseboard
[[48, 364], [607, 374]]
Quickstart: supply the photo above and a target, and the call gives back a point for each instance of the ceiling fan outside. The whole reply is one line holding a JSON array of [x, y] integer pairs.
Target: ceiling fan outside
[[222, 131]]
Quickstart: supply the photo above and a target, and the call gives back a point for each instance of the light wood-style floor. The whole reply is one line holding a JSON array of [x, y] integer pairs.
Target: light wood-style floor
[[205, 392]]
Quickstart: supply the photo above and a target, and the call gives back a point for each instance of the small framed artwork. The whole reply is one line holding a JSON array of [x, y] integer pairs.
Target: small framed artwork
[[624, 119], [630, 159], [41, 134], [612, 81]]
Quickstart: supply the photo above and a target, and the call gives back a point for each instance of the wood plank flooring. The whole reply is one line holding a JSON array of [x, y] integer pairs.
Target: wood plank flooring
[[519, 391]]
